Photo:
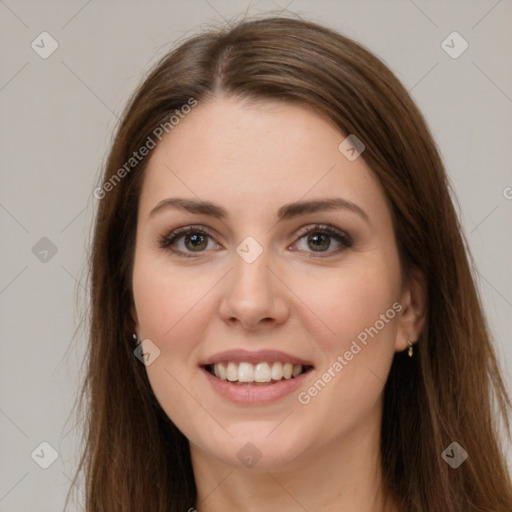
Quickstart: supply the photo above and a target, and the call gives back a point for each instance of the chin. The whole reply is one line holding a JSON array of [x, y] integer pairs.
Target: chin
[[257, 447]]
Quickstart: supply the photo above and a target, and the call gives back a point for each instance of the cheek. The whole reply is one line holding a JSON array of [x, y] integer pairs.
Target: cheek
[[360, 306], [164, 297], [350, 301], [170, 313], [357, 312]]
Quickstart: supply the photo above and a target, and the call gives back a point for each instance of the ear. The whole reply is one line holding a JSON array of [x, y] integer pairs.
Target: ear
[[414, 310]]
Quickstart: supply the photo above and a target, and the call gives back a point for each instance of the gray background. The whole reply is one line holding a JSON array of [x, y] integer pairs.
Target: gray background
[[57, 117]]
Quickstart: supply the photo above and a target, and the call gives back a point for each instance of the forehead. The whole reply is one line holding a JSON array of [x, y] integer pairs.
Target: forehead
[[257, 155]]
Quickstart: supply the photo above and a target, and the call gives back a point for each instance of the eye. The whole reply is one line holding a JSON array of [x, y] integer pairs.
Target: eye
[[318, 239], [187, 240]]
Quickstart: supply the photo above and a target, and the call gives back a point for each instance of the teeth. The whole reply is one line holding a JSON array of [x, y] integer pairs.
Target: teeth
[[261, 372], [232, 372], [245, 372], [277, 371], [222, 372], [287, 370]]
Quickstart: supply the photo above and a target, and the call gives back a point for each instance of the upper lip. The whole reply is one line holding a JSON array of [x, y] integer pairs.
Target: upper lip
[[254, 357]]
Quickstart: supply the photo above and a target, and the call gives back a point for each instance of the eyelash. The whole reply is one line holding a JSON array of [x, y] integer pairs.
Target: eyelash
[[342, 237]]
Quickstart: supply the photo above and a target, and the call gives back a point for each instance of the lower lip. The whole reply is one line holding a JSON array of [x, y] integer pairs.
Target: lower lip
[[256, 394]]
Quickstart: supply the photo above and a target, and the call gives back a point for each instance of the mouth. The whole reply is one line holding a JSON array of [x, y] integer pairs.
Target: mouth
[[255, 378], [264, 373]]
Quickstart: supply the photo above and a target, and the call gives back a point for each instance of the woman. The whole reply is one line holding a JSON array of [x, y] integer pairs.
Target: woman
[[283, 313]]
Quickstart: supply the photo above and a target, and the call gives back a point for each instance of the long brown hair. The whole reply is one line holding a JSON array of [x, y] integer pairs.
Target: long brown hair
[[134, 458]]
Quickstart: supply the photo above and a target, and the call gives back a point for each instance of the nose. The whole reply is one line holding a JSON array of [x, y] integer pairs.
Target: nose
[[254, 297]]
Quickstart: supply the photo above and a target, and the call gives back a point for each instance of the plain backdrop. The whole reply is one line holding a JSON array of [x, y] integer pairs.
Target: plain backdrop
[[57, 118]]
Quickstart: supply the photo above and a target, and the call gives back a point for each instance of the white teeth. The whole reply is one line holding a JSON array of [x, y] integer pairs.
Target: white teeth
[[246, 372], [261, 372], [287, 370], [277, 371], [222, 371], [232, 372]]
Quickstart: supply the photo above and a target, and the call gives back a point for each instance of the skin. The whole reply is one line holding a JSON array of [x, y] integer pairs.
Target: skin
[[252, 159]]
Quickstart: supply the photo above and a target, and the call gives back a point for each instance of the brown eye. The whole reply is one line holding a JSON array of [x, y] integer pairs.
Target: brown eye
[[196, 242], [319, 239], [188, 240]]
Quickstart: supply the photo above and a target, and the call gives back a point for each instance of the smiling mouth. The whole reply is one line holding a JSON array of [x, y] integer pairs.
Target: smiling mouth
[[261, 374]]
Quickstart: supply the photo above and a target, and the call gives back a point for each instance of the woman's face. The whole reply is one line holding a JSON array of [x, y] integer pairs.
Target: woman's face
[[268, 282]]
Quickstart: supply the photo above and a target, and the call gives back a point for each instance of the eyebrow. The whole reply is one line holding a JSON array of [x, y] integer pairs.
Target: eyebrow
[[286, 212]]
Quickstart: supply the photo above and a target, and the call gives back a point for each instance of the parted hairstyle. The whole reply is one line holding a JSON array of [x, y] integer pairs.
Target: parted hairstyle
[[134, 459]]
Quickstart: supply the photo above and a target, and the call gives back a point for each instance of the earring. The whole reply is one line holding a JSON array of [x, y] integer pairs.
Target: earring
[[411, 348], [136, 339]]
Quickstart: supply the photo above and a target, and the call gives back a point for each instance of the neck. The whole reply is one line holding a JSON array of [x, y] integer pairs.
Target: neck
[[339, 475]]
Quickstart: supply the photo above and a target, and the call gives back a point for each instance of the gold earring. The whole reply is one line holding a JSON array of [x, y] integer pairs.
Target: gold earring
[[411, 349]]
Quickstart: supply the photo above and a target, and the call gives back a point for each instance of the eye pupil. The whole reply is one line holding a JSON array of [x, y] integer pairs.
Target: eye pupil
[[323, 240], [197, 240]]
